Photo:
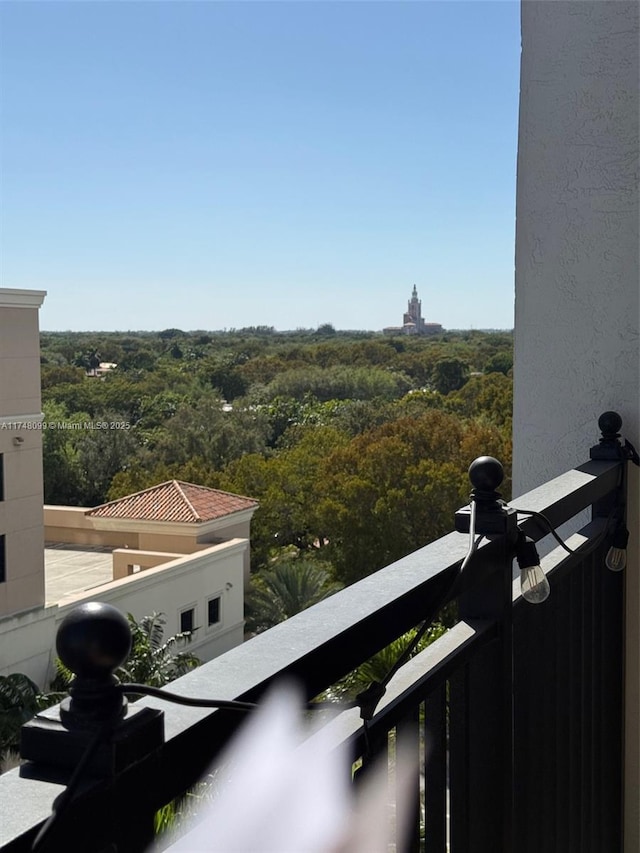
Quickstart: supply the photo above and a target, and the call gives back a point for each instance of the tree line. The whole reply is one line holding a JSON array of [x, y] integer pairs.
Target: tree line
[[356, 445]]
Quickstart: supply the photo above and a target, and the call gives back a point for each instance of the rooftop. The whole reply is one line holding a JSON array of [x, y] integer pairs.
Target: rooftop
[[69, 569], [175, 501]]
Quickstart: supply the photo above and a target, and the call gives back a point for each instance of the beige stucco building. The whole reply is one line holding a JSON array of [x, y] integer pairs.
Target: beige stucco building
[[21, 530], [177, 548]]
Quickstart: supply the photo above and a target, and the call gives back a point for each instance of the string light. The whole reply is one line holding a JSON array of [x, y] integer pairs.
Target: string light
[[616, 558], [534, 585]]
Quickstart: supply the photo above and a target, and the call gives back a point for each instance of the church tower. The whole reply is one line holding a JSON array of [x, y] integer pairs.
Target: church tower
[[413, 321]]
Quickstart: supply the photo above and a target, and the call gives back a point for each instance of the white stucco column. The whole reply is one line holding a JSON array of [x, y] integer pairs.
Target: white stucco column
[[577, 269]]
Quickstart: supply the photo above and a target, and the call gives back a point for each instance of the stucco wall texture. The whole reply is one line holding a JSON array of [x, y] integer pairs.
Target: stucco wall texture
[[577, 269]]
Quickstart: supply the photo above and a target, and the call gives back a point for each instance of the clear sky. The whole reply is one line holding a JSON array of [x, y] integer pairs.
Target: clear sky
[[210, 165]]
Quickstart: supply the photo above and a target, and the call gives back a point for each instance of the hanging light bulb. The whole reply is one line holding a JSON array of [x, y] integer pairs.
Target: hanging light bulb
[[616, 558], [534, 585]]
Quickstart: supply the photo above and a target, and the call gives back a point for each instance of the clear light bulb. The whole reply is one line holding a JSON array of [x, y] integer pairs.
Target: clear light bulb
[[616, 559], [534, 584]]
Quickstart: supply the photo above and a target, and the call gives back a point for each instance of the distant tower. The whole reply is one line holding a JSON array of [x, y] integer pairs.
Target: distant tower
[[413, 322]]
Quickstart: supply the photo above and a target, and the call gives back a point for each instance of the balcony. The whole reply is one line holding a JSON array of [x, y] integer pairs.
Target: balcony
[[520, 706]]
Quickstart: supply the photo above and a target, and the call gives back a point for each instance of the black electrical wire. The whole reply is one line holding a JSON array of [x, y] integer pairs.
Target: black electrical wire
[[222, 704], [547, 524], [369, 698], [631, 454], [42, 839], [62, 802], [581, 549], [426, 624]]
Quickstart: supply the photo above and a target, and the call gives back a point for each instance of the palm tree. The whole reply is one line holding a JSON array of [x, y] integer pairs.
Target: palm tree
[[287, 588], [378, 667], [152, 660], [20, 700]]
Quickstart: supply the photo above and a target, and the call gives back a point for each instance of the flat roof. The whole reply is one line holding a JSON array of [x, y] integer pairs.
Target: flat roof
[[70, 569]]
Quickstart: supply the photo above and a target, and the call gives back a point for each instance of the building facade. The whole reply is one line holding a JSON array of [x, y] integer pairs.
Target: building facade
[[21, 494], [413, 322]]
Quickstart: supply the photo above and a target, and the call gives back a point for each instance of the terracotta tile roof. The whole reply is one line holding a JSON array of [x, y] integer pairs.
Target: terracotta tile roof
[[174, 501]]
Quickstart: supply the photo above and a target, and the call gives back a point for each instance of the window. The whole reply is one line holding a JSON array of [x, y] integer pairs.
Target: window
[[187, 620], [213, 611], [3, 559]]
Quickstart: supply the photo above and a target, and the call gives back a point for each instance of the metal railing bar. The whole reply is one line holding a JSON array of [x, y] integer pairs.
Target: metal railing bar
[[408, 803], [415, 681], [567, 495], [562, 743], [435, 771]]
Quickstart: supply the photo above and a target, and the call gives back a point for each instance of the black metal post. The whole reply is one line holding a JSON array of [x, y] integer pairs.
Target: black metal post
[[483, 732], [95, 734], [93, 641], [609, 448]]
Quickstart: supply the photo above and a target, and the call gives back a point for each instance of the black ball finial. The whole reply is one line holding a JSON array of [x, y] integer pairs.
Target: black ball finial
[[93, 640], [610, 423], [486, 473]]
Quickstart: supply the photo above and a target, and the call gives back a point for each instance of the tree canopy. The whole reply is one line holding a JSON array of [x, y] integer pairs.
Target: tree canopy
[[355, 444]]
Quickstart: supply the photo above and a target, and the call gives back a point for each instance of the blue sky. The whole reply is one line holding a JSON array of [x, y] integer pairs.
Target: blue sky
[[212, 165]]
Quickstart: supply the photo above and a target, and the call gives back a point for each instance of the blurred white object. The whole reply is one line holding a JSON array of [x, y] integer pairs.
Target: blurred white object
[[287, 790]]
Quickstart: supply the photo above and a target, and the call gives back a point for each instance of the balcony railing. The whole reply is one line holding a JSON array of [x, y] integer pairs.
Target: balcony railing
[[516, 711]]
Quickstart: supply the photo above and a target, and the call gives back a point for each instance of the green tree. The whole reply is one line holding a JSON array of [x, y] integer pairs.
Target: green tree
[[326, 329], [222, 373], [449, 374], [154, 660], [356, 416], [20, 700], [202, 430], [501, 362], [89, 360], [99, 455], [487, 396], [286, 485], [287, 588], [378, 666], [395, 488], [339, 382], [61, 472], [55, 374], [296, 384]]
